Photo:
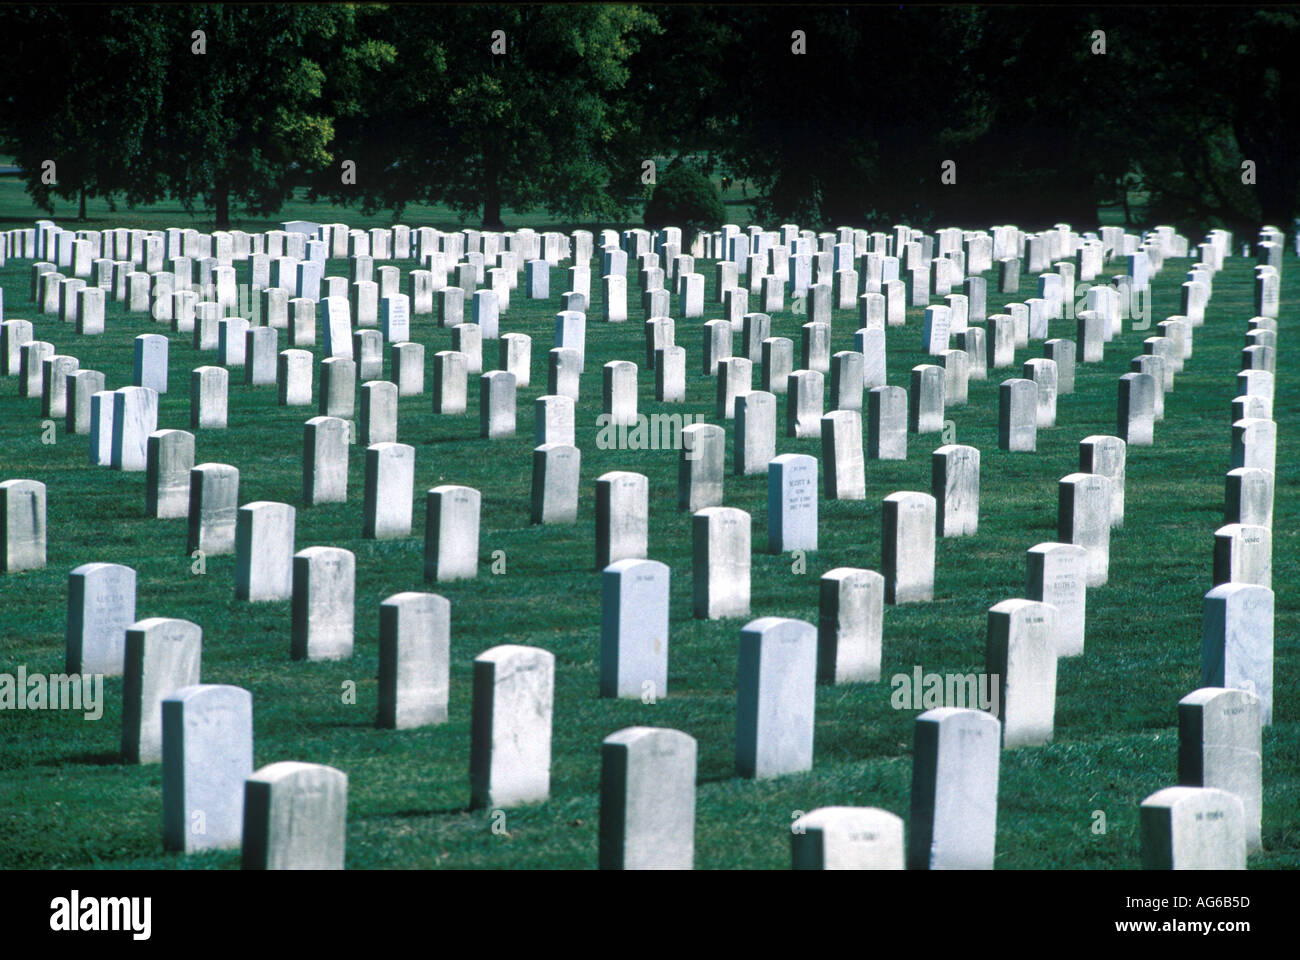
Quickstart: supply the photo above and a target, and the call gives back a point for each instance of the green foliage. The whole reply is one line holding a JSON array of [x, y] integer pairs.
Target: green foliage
[[684, 197], [555, 107], [546, 124]]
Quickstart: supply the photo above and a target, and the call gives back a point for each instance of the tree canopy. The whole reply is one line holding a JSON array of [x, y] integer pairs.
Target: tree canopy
[[836, 114]]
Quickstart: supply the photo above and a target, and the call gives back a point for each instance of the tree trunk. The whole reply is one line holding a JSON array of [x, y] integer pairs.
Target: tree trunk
[[81, 215], [492, 198], [221, 199]]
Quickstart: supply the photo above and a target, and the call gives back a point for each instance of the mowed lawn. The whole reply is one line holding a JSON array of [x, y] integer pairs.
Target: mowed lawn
[[66, 800]]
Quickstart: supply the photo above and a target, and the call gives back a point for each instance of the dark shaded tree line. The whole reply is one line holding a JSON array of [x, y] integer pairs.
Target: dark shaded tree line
[[931, 115]]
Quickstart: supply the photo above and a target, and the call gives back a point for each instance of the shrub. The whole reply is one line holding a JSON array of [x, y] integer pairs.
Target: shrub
[[684, 197]]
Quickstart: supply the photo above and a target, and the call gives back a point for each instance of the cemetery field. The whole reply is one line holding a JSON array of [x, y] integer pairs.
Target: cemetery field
[[67, 800]]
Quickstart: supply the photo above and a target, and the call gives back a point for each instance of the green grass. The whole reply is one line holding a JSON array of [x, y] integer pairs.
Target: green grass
[[67, 801]]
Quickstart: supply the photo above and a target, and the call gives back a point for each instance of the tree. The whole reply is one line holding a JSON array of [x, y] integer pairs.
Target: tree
[[91, 116], [244, 120], [485, 107]]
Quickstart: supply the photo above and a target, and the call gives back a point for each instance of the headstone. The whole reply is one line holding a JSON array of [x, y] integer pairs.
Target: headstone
[[847, 838], [169, 459], [135, 416], [150, 362], [1107, 456], [467, 340], [325, 444], [634, 630], [844, 475], [450, 382], [720, 562], [264, 538], [338, 387], [670, 375], [295, 817], [755, 440], [553, 420], [510, 738], [214, 502], [1061, 352], [378, 413], [293, 375], [324, 588], [1219, 746], [1243, 554], [207, 754], [907, 547], [1083, 518], [1193, 828], [1254, 444], [926, 399], [497, 404], [1044, 373], [1136, 413], [389, 490], [954, 805], [804, 404], [792, 502], [1056, 574], [451, 536], [414, 660], [647, 800], [1018, 415], [162, 656], [101, 606], [776, 691], [850, 626], [1249, 497], [556, 471], [1022, 652], [700, 468], [208, 403], [955, 485], [80, 386], [887, 423]]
